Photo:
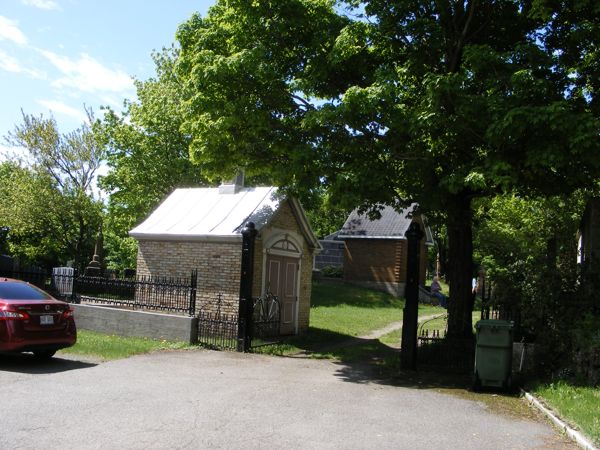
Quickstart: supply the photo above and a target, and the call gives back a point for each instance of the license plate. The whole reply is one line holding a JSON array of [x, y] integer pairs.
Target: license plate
[[46, 320]]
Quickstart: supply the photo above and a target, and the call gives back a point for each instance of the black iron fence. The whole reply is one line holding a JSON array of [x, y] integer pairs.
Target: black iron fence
[[216, 328], [436, 350], [219, 330], [37, 277], [439, 351], [266, 319], [175, 295]]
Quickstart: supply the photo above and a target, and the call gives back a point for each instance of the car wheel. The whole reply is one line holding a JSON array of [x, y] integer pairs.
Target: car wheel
[[44, 354]]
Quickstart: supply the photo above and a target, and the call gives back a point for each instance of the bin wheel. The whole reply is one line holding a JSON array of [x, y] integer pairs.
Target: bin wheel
[[508, 383], [476, 387]]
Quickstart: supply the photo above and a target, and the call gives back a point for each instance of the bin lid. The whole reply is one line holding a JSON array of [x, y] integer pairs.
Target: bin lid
[[492, 323]]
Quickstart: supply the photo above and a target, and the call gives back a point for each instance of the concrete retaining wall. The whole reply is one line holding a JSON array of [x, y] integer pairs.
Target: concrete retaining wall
[[124, 322]]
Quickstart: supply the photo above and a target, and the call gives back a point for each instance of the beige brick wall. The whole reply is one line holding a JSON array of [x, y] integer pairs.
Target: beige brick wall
[[219, 266]]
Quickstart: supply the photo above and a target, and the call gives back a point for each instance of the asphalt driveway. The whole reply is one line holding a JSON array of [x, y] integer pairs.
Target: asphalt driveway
[[205, 399]]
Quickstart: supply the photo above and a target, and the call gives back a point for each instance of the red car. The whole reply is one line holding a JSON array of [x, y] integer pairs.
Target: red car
[[31, 320]]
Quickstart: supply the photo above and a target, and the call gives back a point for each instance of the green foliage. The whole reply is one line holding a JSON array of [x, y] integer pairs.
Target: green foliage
[[325, 217], [528, 247], [147, 157], [71, 159], [426, 102], [512, 229], [332, 271], [34, 230], [587, 333], [49, 206]]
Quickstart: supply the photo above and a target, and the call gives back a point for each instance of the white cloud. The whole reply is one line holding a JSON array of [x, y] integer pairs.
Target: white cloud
[[10, 31], [112, 100], [15, 154], [11, 64], [41, 4], [6, 152], [88, 75], [61, 108]]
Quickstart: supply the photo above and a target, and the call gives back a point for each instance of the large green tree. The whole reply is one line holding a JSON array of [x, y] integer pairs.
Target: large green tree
[[42, 222], [433, 101], [50, 205], [147, 156]]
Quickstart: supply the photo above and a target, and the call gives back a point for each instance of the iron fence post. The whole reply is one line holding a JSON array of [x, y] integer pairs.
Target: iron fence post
[[408, 354], [245, 306], [74, 287], [193, 290]]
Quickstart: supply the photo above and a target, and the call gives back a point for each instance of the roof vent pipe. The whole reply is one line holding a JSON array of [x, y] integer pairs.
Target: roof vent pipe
[[232, 186]]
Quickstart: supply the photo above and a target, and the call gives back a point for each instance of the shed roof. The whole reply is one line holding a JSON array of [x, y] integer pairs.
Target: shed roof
[[391, 225], [212, 214]]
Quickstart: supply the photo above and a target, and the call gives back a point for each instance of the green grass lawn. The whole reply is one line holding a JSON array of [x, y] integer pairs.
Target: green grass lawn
[[576, 404], [107, 347], [340, 312], [350, 310]]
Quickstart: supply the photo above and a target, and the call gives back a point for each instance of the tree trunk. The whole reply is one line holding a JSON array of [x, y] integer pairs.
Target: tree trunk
[[460, 259]]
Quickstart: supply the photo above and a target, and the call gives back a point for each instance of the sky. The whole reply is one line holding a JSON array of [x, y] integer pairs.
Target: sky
[[58, 55]]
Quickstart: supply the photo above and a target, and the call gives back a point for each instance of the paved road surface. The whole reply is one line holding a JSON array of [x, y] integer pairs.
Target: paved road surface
[[204, 399]]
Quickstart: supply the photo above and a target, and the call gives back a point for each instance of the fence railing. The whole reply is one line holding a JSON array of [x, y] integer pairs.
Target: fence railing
[[216, 329], [437, 350], [266, 319], [176, 295], [219, 330]]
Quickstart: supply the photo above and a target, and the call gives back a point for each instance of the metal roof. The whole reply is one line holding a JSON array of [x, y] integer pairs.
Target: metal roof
[[208, 213]]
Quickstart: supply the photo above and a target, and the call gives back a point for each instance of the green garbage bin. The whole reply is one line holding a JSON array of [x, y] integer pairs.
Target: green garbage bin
[[493, 353]]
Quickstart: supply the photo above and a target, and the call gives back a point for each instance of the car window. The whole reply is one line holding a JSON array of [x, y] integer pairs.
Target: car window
[[21, 291]]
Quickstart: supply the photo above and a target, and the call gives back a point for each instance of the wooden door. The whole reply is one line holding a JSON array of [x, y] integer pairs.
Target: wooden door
[[282, 280]]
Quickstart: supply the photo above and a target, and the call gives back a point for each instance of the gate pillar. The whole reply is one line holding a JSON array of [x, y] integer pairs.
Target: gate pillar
[[408, 354], [245, 306]]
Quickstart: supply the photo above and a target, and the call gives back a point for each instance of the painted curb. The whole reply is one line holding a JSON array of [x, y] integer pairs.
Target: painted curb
[[581, 440]]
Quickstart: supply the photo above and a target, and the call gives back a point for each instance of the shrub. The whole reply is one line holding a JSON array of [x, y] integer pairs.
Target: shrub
[[332, 271]]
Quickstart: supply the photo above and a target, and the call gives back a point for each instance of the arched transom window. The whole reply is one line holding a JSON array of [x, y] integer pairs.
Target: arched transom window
[[285, 245]]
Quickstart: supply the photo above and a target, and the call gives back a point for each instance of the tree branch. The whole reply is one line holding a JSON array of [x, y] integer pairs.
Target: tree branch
[[454, 64], [304, 102]]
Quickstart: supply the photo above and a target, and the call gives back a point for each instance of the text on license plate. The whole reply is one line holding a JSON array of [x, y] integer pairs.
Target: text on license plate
[[46, 320]]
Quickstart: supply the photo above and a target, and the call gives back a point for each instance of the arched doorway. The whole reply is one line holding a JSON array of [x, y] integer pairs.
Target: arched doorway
[[282, 264]]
